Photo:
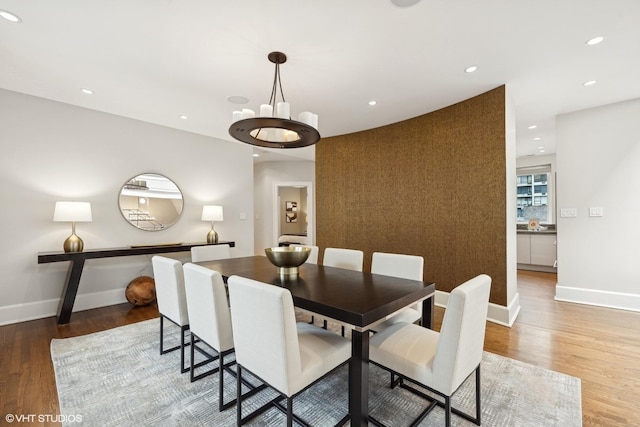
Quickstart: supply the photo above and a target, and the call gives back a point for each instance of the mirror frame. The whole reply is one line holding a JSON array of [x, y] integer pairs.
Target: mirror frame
[[136, 186]]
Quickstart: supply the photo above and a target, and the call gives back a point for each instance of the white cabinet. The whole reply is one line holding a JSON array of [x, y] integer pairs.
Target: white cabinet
[[536, 250], [543, 249], [524, 248]]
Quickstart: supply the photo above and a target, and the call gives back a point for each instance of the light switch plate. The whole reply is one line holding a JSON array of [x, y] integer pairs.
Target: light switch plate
[[596, 212], [568, 212]]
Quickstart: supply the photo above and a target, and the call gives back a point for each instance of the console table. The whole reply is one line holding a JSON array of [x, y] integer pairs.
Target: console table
[[77, 260]]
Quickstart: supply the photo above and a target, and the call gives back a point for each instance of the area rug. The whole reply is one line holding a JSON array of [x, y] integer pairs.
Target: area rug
[[117, 378]]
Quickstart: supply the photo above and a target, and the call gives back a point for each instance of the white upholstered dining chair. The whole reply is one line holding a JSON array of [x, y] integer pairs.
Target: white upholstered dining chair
[[442, 361], [351, 259], [172, 303], [210, 320], [210, 252], [210, 323], [286, 355], [405, 267]]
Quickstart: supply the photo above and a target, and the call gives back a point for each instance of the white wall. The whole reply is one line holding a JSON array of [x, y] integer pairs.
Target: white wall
[[265, 175], [598, 161], [53, 151]]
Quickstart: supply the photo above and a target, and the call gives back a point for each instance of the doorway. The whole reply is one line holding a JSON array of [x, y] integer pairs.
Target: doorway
[[293, 211]]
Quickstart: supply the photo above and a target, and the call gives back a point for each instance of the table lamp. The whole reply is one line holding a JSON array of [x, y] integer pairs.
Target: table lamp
[[73, 212], [212, 213]]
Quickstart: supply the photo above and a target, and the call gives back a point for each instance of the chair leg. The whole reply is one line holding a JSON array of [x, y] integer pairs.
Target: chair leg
[[447, 411], [478, 409], [183, 369], [239, 395], [161, 334], [192, 351], [162, 349], [289, 411]]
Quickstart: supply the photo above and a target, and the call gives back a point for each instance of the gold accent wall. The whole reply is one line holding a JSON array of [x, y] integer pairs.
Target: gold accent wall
[[433, 186]]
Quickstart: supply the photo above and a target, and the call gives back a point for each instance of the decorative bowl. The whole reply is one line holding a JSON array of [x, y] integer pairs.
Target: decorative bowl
[[288, 258]]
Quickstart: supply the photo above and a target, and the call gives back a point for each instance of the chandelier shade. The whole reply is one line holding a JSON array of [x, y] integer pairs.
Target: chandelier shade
[[273, 126]]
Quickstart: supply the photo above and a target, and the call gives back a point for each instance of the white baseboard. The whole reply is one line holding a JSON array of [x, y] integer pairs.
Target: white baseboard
[[40, 309], [499, 314], [618, 300]]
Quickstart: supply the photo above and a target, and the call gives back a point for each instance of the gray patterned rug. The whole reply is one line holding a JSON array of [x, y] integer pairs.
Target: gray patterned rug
[[117, 378]]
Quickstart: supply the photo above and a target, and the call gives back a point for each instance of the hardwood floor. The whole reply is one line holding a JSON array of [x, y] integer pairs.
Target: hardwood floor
[[601, 346]]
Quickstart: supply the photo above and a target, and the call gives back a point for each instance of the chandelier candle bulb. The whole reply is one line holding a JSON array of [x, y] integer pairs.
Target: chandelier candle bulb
[[247, 113], [266, 110], [306, 117], [282, 110], [237, 115], [314, 123]]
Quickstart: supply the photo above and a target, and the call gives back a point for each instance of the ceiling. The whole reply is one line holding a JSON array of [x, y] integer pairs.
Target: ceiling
[[155, 60]]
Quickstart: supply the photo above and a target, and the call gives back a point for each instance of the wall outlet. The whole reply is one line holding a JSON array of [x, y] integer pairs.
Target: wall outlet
[[568, 212], [596, 212], [243, 215]]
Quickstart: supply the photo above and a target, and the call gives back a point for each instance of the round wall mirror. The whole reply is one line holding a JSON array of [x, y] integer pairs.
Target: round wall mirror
[[150, 202]]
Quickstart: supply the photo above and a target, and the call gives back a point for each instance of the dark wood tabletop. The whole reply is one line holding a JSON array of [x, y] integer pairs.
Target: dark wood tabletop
[[353, 297]]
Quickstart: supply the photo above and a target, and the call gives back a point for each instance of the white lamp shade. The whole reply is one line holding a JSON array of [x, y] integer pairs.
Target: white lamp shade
[[212, 213], [72, 212]]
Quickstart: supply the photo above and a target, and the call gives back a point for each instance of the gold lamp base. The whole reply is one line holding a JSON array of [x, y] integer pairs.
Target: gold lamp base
[[212, 236], [73, 244]]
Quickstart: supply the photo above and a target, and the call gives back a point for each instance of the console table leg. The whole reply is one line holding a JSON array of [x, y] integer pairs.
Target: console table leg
[[70, 290]]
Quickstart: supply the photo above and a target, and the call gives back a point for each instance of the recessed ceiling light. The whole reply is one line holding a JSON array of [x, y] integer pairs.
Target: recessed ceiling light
[[183, 117], [256, 155], [540, 148], [372, 102], [595, 40], [238, 99], [589, 83], [87, 91], [537, 138], [532, 127], [10, 16], [471, 69], [542, 151]]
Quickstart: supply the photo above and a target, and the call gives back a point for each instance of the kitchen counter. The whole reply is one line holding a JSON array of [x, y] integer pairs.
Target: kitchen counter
[[537, 232]]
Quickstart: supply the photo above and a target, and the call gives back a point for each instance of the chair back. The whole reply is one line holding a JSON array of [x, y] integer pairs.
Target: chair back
[[265, 332], [313, 255], [210, 253], [461, 339], [169, 278], [398, 265], [351, 259], [209, 315]]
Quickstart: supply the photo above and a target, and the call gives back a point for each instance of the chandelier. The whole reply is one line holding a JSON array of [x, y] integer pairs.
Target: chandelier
[[273, 126]]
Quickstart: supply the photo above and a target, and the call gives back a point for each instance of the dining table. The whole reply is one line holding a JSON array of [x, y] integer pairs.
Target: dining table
[[354, 299]]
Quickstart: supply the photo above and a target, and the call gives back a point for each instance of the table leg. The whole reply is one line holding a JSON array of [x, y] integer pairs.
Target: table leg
[[427, 312], [70, 290], [359, 378]]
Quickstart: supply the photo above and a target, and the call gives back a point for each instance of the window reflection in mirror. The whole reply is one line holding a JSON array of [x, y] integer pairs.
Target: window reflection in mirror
[[150, 202]]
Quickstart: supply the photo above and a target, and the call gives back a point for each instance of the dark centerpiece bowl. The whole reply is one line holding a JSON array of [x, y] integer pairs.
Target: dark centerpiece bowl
[[288, 258]]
